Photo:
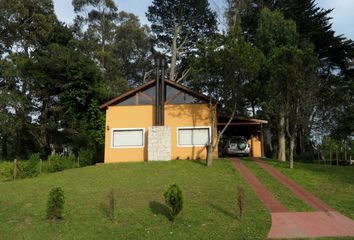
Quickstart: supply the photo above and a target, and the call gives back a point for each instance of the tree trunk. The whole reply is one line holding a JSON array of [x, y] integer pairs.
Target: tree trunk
[[210, 148], [43, 127], [213, 116], [174, 55], [292, 148], [4, 146], [210, 155], [281, 137], [253, 109]]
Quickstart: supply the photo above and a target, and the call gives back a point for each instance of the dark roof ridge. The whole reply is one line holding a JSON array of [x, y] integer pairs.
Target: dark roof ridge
[[148, 84]]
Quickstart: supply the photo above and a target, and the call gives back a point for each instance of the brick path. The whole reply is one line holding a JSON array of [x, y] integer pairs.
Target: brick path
[[326, 222], [263, 193], [299, 191]]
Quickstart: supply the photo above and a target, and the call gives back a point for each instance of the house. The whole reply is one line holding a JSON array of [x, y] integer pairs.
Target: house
[[178, 128], [142, 127]]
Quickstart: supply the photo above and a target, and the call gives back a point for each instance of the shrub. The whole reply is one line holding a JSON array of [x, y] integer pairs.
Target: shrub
[[60, 162], [5, 170], [55, 204], [55, 162], [71, 160], [174, 198], [30, 168], [109, 206], [86, 157]]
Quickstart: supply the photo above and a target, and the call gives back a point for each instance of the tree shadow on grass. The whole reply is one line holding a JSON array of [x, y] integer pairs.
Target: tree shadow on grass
[[223, 211], [160, 209], [199, 161]]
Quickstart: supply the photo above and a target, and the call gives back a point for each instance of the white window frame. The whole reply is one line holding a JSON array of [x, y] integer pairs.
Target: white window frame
[[127, 129], [193, 127]]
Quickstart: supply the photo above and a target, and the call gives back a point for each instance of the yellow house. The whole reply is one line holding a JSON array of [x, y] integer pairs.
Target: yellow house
[[140, 128]]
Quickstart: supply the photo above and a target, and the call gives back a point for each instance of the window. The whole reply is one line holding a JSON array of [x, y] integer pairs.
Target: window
[[127, 138], [193, 136]]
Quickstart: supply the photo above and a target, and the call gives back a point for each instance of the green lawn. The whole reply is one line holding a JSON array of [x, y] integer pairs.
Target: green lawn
[[334, 185], [209, 213], [282, 193]]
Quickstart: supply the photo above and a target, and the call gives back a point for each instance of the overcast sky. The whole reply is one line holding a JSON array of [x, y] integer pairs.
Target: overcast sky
[[342, 15]]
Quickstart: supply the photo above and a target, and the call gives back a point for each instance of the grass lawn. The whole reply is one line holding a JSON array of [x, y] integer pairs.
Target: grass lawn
[[282, 193], [210, 211], [334, 185]]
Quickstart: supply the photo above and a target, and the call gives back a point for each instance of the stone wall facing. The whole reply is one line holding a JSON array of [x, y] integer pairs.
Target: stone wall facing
[[159, 143]]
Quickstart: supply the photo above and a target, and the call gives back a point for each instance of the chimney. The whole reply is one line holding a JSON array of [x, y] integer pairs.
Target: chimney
[[162, 102], [160, 91], [157, 93]]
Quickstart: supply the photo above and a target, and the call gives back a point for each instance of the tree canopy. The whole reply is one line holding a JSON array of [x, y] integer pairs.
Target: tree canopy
[[277, 60]]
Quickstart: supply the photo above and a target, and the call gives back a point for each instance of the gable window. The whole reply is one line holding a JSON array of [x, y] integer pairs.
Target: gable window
[[193, 136], [127, 137]]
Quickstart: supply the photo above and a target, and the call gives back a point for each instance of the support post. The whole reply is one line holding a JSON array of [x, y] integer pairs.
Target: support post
[[262, 141]]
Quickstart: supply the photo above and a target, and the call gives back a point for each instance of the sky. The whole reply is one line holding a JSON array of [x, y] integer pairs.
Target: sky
[[342, 15]]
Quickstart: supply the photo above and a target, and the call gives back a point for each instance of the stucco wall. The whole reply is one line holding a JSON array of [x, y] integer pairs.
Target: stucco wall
[[183, 115], [187, 115], [256, 145], [127, 117]]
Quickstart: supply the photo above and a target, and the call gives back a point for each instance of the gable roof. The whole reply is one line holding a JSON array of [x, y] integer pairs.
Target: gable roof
[[149, 84]]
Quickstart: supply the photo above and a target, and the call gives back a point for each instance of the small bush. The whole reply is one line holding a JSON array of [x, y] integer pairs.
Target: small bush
[[56, 163], [240, 201], [5, 170], [174, 198], [109, 206], [55, 204], [71, 160], [30, 168], [86, 157], [60, 162]]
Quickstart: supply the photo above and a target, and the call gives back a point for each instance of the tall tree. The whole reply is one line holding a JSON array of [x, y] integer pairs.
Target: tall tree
[[132, 49], [335, 53], [115, 40], [178, 26], [222, 69], [273, 32], [292, 86], [27, 27]]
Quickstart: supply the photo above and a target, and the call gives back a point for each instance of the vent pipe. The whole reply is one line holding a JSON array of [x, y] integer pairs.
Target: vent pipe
[[162, 102], [160, 92], [157, 93]]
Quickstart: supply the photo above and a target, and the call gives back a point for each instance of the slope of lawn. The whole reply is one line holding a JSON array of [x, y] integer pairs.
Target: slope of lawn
[[334, 185], [282, 193], [210, 211]]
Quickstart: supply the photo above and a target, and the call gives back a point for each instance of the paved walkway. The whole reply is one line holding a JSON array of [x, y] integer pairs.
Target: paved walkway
[[299, 191], [263, 193], [326, 222]]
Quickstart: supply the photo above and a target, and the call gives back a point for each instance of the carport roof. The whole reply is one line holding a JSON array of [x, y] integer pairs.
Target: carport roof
[[237, 120]]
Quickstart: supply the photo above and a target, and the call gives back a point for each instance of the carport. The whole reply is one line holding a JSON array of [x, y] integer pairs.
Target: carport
[[250, 128]]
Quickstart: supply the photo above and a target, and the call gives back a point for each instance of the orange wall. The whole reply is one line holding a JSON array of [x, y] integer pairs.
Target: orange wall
[[256, 146], [187, 115], [127, 117], [182, 115]]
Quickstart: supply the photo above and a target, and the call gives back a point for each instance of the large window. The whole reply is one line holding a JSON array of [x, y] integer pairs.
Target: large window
[[193, 136], [128, 137]]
